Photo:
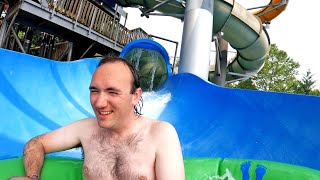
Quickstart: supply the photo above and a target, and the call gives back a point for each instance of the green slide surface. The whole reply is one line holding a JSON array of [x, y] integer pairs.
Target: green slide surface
[[195, 168]]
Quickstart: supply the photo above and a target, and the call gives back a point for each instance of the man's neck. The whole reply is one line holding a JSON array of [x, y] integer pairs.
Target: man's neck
[[128, 127]]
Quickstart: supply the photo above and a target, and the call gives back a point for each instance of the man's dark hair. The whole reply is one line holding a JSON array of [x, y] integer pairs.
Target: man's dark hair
[[135, 76]]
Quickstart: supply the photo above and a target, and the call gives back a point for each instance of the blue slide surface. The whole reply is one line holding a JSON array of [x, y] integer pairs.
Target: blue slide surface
[[38, 95]]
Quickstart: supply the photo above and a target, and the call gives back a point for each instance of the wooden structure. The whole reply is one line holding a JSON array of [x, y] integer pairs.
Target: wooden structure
[[88, 25]]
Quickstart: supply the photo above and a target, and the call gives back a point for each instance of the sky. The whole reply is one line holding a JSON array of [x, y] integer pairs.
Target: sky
[[293, 31]]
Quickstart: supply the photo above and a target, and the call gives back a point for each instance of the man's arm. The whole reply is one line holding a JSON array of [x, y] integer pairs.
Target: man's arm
[[61, 139], [33, 156], [169, 161]]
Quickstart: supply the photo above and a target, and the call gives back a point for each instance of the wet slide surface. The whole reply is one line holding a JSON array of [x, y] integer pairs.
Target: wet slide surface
[[195, 168], [38, 95]]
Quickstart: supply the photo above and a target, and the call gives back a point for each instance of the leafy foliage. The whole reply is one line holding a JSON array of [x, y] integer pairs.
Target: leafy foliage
[[279, 75], [279, 72], [307, 84]]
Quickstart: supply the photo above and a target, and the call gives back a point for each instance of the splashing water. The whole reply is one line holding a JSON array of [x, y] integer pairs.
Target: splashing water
[[151, 67], [135, 59], [154, 104], [153, 72], [227, 176], [154, 55]]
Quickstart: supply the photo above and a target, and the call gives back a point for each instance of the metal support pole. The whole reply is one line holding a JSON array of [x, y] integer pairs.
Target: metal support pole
[[175, 58], [78, 14], [117, 34], [93, 19], [175, 52], [3, 31], [51, 46], [27, 39], [125, 21], [196, 39], [114, 21], [70, 51], [17, 40], [220, 71], [92, 44], [4, 38]]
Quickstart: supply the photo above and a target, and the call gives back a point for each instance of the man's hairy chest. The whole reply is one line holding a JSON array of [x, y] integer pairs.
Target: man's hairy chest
[[129, 158]]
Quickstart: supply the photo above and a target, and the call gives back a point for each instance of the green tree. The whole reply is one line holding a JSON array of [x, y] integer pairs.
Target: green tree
[[315, 92], [307, 84], [278, 74], [246, 84]]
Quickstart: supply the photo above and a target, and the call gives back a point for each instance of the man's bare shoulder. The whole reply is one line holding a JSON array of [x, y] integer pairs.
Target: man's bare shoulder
[[84, 122], [87, 121], [80, 127], [159, 124], [161, 129]]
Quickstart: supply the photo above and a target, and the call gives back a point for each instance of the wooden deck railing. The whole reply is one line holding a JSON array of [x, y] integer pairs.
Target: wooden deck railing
[[91, 16]]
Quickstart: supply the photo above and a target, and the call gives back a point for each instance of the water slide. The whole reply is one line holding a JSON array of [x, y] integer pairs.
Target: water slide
[[243, 30], [222, 131], [233, 133], [271, 11]]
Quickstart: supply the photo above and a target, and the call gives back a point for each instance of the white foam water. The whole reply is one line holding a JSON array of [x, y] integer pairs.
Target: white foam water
[[227, 176], [154, 104]]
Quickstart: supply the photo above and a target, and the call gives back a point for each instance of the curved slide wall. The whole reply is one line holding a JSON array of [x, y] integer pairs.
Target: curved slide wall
[[272, 10], [241, 29], [38, 95]]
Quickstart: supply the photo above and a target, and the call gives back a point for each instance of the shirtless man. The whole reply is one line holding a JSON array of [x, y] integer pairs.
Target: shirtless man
[[119, 143]]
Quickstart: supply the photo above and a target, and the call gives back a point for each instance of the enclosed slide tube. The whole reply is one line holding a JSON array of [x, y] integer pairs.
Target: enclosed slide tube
[[243, 30]]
